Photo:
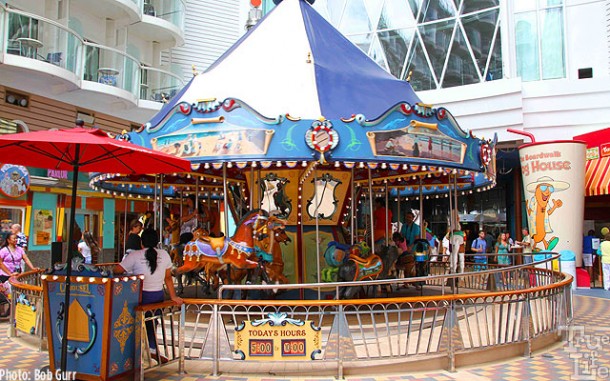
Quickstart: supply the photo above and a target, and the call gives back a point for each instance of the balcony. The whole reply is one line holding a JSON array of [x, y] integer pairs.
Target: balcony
[[162, 21], [43, 57], [35, 49], [111, 72], [113, 9], [157, 87]]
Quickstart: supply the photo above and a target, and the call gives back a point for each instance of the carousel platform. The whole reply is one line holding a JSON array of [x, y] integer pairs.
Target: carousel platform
[[559, 362]]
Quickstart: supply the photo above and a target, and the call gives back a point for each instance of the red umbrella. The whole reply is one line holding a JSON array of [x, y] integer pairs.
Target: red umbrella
[[88, 150]]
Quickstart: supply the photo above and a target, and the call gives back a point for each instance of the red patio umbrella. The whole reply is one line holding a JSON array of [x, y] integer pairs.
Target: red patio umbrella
[[88, 150]]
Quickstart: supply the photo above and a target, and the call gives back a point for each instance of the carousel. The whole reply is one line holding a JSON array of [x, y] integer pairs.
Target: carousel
[[291, 135]]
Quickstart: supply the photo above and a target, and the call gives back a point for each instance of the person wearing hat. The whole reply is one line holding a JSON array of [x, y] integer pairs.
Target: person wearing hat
[[540, 207]]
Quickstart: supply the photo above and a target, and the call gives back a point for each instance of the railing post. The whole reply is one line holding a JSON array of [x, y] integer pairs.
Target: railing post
[[450, 332], [341, 318], [527, 324], [216, 344], [139, 348], [12, 331], [181, 339]]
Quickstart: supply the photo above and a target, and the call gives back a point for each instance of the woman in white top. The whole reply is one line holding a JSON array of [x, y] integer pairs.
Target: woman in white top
[[155, 264], [88, 247]]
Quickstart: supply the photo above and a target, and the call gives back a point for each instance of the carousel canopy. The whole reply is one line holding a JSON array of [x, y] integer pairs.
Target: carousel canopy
[[294, 93]]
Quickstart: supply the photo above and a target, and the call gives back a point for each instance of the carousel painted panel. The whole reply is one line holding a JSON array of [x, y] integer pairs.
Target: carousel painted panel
[[122, 348], [277, 191], [313, 244], [324, 194], [85, 326]]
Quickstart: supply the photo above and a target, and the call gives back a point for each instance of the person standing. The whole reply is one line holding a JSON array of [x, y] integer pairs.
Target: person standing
[[22, 240], [410, 230], [10, 265], [526, 244], [88, 247], [155, 264], [604, 249], [381, 223], [133, 242], [479, 246], [587, 252], [192, 216], [457, 250], [502, 247]]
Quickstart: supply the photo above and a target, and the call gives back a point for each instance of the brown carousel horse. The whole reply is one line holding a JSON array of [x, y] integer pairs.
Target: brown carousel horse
[[267, 239], [237, 250], [239, 254]]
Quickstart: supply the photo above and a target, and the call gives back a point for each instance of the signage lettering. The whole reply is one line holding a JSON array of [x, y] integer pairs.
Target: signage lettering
[[543, 162]]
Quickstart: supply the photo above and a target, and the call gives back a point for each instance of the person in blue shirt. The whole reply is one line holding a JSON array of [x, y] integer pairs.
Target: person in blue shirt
[[479, 246], [410, 230], [587, 252]]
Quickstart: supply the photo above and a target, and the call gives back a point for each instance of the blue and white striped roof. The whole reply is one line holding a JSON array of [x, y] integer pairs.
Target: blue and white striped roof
[[294, 62]]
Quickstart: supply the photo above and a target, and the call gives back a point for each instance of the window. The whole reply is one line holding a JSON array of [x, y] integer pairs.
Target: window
[[539, 39], [9, 216], [437, 44]]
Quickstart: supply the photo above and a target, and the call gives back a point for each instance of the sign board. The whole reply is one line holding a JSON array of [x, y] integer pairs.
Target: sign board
[[277, 338], [25, 315], [554, 184]]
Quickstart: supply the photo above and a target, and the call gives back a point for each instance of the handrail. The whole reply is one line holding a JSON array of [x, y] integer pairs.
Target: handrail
[[382, 282], [44, 19], [94, 45], [144, 67]]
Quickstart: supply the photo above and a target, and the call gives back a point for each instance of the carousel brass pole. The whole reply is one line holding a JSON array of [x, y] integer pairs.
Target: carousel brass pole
[[315, 192], [197, 199], [371, 211], [225, 198], [422, 230], [251, 187], [124, 228], [352, 209], [399, 218], [387, 214], [451, 227]]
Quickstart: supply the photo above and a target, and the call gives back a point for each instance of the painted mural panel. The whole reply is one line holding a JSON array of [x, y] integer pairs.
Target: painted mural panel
[[418, 140]]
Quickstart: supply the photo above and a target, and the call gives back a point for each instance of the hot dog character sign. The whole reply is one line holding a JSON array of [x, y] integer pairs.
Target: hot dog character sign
[[541, 207]]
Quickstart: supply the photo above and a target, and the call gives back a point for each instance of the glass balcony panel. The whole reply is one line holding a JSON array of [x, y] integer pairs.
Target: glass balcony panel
[[158, 84], [43, 40], [172, 11], [111, 67]]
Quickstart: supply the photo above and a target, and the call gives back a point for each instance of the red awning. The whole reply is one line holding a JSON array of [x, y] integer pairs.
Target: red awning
[[597, 175]]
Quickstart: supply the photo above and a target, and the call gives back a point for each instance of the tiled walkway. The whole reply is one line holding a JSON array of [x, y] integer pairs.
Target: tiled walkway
[[589, 359]]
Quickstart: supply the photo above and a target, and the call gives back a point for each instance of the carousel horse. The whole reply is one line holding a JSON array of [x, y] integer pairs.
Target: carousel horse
[[350, 263], [237, 251], [265, 229]]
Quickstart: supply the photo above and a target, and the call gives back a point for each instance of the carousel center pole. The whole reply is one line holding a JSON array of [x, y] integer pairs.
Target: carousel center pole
[[155, 196], [387, 215], [422, 230]]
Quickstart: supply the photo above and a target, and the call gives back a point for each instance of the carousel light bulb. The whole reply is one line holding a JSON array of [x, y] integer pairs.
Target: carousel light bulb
[[423, 168], [361, 165], [279, 163], [299, 197], [337, 164], [304, 163], [254, 164], [299, 214], [383, 166]]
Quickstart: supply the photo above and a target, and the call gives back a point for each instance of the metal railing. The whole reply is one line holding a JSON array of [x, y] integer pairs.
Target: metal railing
[[26, 288], [531, 303]]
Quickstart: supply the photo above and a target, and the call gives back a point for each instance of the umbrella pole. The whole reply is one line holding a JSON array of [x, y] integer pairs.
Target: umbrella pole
[[64, 339]]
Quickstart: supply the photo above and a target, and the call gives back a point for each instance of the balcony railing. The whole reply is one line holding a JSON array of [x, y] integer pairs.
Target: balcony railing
[[41, 39], [33, 37], [172, 11], [158, 84], [111, 67]]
